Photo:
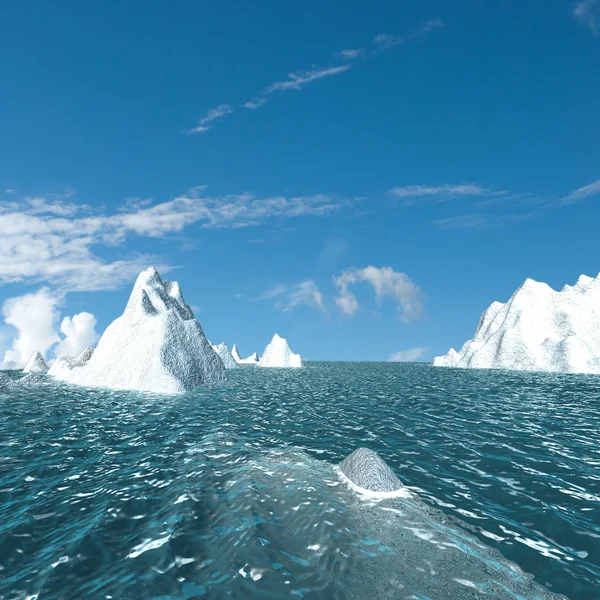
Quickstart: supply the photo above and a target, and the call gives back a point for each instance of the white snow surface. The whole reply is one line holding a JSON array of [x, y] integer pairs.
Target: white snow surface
[[226, 356], [36, 364], [156, 345], [250, 360], [62, 366], [538, 329], [279, 354]]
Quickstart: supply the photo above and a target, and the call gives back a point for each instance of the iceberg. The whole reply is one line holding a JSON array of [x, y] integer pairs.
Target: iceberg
[[369, 472], [250, 360], [538, 329], [226, 356], [36, 364], [156, 345], [63, 364], [279, 354]]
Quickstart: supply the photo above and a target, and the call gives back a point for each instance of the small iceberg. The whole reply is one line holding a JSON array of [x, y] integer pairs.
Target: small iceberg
[[226, 356], [250, 360], [279, 354], [156, 345], [368, 472], [36, 364]]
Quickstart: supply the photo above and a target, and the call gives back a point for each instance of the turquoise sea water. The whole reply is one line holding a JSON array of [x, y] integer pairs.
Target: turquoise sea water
[[231, 491]]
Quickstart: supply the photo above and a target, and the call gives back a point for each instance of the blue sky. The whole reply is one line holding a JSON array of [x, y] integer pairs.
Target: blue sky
[[364, 179]]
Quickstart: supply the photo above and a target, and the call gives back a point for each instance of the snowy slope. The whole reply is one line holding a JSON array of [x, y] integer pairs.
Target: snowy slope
[[226, 356], [156, 345], [538, 329], [36, 364], [279, 354]]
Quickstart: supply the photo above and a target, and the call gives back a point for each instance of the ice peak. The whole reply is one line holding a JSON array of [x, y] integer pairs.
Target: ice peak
[[279, 354], [156, 345], [36, 364], [152, 295]]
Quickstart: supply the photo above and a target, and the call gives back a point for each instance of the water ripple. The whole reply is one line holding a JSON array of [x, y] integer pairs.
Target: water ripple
[[231, 492]]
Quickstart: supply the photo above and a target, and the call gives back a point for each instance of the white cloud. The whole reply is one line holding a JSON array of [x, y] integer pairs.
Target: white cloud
[[461, 222], [350, 53], [410, 355], [299, 79], [582, 193], [384, 41], [37, 244], [386, 283], [587, 13], [205, 123], [34, 316], [411, 194], [255, 103], [79, 332], [289, 296]]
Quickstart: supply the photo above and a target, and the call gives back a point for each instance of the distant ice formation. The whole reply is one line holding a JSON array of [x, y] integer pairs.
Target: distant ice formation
[[279, 354], [226, 356], [61, 366], [251, 360], [36, 364], [538, 329], [156, 345], [368, 471]]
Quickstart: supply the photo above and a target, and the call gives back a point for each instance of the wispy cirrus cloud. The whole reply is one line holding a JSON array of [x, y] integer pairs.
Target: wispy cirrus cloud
[[255, 103], [213, 114], [385, 41], [350, 53], [582, 193], [480, 221], [412, 194], [298, 80], [287, 296], [57, 242], [587, 12]]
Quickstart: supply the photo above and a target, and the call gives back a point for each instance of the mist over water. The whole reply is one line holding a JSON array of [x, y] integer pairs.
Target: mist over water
[[231, 491]]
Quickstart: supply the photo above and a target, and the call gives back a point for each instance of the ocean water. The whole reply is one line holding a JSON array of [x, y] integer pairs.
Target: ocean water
[[231, 491]]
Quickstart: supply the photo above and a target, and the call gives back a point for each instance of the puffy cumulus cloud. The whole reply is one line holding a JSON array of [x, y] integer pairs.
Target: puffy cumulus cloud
[[387, 283], [286, 297], [57, 241], [409, 355], [79, 331], [35, 317]]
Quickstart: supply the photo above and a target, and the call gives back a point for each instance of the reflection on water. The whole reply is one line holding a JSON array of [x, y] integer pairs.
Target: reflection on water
[[231, 492]]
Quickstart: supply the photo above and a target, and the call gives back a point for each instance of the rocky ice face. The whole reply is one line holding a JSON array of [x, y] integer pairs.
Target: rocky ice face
[[279, 354], [36, 364], [538, 329], [228, 360], [250, 360], [369, 472], [156, 345]]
